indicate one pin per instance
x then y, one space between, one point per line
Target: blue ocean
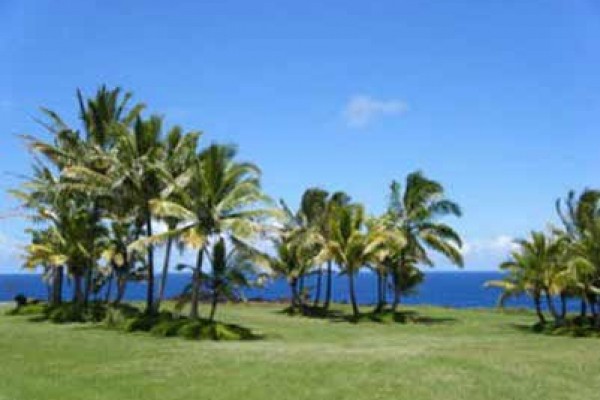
446 289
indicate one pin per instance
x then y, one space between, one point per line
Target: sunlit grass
438 354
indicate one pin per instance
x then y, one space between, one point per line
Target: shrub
117 316
190 330
168 328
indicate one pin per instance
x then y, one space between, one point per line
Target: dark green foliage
168 328
190 330
118 316
65 313
142 323
575 327
207 330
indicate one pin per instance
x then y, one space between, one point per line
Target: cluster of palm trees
331 229
105 195
561 264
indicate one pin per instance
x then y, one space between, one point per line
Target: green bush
190 330
142 323
65 313
205 330
168 328
118 316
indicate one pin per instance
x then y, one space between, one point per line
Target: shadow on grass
129 319
381 317
570 328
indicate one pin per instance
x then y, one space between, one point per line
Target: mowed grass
453 354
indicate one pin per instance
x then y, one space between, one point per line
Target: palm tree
216 196
581 221
353 246
232 271
72 150
337 199
415 213
70 234
179 154
535 269
313 208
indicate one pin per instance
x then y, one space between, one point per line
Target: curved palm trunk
552 308
537 301
563 306
150 292
355 310
196 285
318 288
164 274
328 286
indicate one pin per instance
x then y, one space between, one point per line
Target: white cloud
499 245
362 110
10 250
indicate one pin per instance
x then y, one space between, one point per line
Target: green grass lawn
454 354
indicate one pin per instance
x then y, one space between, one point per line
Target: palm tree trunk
563 306
164 275
301 290
150 292
355 310
121 286
57 285
215 300
583 309
538 308
551 307
379 305
88 285
318 288
293 282
77 291
396 285
328 286
196 285
109 285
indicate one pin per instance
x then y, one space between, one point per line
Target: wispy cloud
10 250
361 110
499 245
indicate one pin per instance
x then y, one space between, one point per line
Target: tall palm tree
336 200
416 213
178 155
313 206
216 196
72 149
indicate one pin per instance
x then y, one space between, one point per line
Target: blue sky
499 100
